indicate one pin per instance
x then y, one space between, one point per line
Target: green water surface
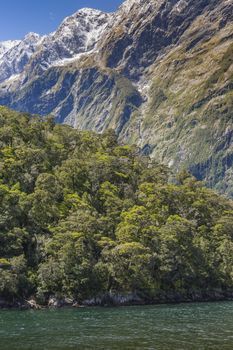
161 327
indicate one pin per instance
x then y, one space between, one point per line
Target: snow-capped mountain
7 45
82 31
76 35
17 55
158 72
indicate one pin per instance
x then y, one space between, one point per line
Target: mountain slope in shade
159 72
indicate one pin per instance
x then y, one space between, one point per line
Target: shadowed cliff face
159 72
87 98
148 29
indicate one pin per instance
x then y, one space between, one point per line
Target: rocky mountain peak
17 55
84 17
32 36
7 45
90 12
83 28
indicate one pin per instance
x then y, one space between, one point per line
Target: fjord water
162 327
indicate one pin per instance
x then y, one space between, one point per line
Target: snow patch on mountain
85 26
17 55
128 5
7 45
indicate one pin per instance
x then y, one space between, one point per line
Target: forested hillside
82 216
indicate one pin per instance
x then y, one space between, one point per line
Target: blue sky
18 17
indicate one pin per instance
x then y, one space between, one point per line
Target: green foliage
81 216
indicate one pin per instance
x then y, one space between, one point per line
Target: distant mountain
7 45
16 55
159 72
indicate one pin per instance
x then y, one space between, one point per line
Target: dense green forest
81 216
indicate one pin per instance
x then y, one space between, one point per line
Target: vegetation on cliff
81 216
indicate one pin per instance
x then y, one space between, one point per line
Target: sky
19 17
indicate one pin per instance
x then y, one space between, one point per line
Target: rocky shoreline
116 300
